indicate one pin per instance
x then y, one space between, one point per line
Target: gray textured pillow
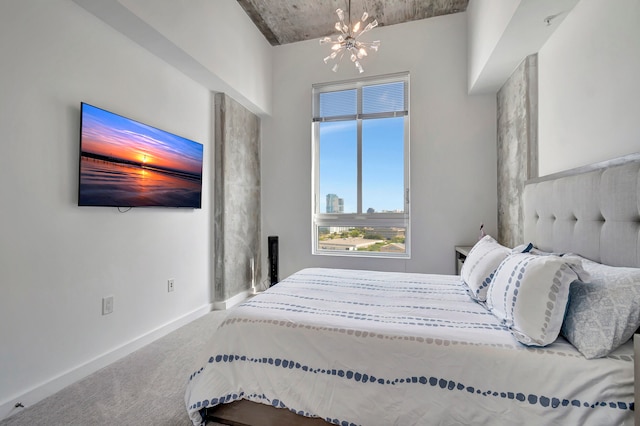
604 313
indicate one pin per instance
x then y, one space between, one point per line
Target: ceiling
290 21
507 33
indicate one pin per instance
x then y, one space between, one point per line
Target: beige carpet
144 388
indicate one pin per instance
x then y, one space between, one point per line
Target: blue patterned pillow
480 265
529 294
604 313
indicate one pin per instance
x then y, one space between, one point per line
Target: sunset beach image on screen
125 163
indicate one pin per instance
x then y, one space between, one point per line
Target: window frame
359 219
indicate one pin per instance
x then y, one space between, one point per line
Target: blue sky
383 163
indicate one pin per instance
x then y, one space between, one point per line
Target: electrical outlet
107 305
170 285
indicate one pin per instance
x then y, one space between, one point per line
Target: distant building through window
335 204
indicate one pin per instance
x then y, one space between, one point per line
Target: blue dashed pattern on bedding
435 382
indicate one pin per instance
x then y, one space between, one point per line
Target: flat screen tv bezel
82 202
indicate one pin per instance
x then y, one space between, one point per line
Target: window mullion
359 149
359 132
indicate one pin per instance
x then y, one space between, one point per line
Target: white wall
589 88
220 37
487 21
504 32
453 145
58 260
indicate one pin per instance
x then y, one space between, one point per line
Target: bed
354 347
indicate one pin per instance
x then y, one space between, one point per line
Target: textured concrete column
237 197
517 147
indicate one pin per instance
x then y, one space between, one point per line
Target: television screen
124 163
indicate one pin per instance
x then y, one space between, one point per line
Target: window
361 167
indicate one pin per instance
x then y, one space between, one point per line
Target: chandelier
348 43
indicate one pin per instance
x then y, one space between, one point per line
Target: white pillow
529 295
577 267
604 313
481 263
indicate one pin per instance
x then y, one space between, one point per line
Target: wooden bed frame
551 225
248 413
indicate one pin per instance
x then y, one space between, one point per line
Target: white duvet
377 348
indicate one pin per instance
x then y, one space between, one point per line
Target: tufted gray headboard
593 211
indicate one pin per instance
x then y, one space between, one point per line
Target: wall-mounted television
125 163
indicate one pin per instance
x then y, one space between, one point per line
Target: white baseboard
48 388
232 301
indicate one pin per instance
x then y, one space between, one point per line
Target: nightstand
461 254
